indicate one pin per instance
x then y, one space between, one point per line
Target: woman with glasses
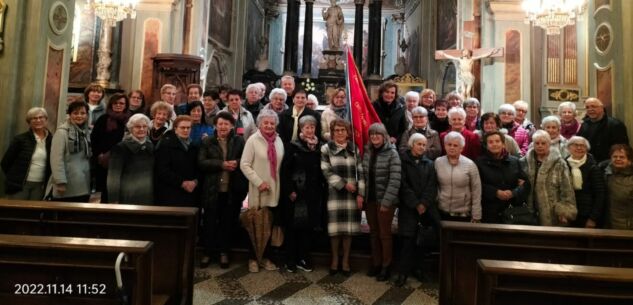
507 114
131 166
26 163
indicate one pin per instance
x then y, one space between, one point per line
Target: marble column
373 56
104 56
358 34
292 38
186 29
307 40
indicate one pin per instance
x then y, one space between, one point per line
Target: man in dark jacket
391 111
601 130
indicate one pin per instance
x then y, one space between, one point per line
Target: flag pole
350 116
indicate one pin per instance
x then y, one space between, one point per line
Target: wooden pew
462 244
65 270
523 283
171 229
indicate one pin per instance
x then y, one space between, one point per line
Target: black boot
400 280
384 274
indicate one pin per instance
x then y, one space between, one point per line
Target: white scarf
576 174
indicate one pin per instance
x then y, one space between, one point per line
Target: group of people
430 159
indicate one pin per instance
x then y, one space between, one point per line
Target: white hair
541 134
472 101
506 108
520 103
267 113
251 87
420 110
578 140
550 119
569 105
415 138
457 111
313 98
278 91
454 135
135 119
33 112
412 95
287 77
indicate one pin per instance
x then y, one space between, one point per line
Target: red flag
362 111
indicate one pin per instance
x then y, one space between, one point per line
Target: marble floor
236 286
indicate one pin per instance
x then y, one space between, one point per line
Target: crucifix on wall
465 60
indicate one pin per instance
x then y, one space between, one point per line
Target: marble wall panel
52 90
81 69
151 42
604 81
513 66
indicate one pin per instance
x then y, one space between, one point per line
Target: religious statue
465 68
333 17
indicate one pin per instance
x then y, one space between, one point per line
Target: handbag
426 236
519 215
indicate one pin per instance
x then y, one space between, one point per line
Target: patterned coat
339 167
553 192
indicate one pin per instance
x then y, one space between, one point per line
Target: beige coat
256 168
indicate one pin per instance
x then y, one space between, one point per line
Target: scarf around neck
311 141
272 153
116 119
576 174
569 130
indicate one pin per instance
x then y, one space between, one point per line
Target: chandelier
552 15
113 11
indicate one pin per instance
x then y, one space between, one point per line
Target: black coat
173 165
286 123
602 135
210 159
393 116
102 142
418 186
131 173
496 175
302 174
17 160
591 199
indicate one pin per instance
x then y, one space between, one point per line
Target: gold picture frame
408 82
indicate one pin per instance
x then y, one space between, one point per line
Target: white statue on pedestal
334 20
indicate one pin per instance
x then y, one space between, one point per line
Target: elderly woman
390 110
551 124
277 98
418 191
502 179
588 183
521 111
137 102
93 95
70 157
107 132
490 123
303 192
336 110
312 102
457 119
411 100
459 185
253 102
439 122
421 125
552 195
340 168
619 178
244 122
223 189
199 128
26 163
131 166
261 163
569 126
209 101
454 99
175 167
507 114
381 172
160 112
472 107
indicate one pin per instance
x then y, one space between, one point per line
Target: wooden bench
171 229
523 283
462 244
65 270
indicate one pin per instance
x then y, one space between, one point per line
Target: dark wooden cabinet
179 70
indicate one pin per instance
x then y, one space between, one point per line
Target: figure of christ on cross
465 63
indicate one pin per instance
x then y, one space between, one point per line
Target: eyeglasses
521 110
418 116
41 117
506 113
342 130
140 126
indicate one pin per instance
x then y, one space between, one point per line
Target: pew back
64 270
462 244
171 229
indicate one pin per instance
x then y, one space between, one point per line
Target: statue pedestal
332 65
